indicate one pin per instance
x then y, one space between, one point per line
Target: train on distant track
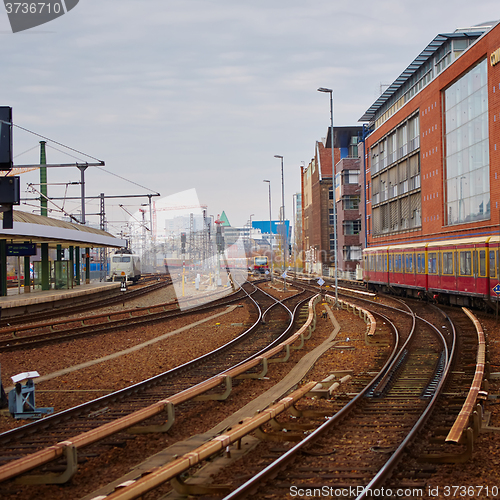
125 265
461 271
259 264
255 264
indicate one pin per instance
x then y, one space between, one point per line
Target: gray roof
422 58
39 229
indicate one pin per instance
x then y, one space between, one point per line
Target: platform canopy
39 229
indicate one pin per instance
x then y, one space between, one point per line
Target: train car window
397 263
390 263
466 263
385 262
420 263
123 258
498 263
482 262
492 264
432 263
409 262
447 262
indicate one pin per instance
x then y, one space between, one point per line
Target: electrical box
5 138
10 190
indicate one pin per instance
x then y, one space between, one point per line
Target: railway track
87 304
385 412
20 447
360 444
46 333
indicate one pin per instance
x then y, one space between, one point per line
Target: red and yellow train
460 271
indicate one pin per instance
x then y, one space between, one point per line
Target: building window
353 147
331 219
352 252
350 177
467 148
332 242
350 202
352 226
330 193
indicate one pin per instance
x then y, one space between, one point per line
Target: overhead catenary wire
132 182
51 140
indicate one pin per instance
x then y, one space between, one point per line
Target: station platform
15 303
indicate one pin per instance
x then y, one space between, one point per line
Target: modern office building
433 155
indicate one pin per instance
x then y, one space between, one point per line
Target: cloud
201 94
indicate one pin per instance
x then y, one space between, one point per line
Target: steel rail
388 467
48 454
465 413
81 306
54 336
243 490
381 476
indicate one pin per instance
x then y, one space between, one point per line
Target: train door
493 265
390 268
410 269
398 277
448 278
482 285
432 269
421 275
466 271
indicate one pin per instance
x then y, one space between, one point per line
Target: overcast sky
177 95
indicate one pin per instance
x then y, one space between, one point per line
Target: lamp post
282 219
330 91
294 239
270 228
250 233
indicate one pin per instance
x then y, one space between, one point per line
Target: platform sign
284 275
321 282
496 288
21 249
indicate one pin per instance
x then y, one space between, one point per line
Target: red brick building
318 196
433 156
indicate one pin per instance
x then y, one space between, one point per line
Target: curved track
19 446
361 444
87 303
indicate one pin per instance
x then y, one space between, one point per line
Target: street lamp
250 233
330 91
294 238
270 228
282 218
